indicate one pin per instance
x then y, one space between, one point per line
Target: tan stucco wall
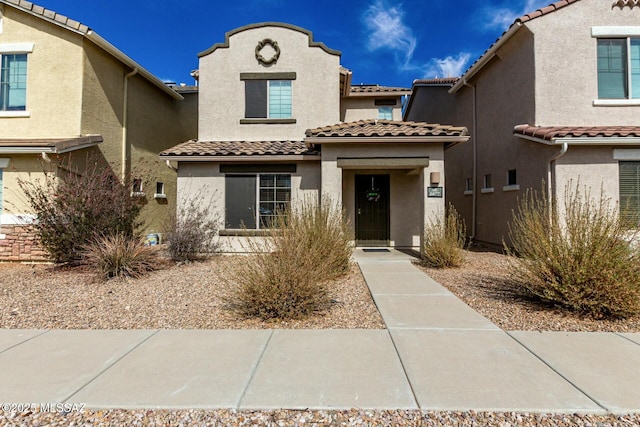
410 208
315 91
27 167
54 78
566 65
204 181
356 108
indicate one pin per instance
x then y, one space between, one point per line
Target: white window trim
615 102
468 192
15 113
10 219
514 187
487 190
16 47
621 31
629 154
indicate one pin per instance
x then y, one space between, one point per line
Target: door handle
359 211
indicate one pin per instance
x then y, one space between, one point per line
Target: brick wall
19 243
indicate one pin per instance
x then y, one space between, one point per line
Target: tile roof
549 133
545 10
381 128
437 81
52 145
50 15
378 89
623 3
196 148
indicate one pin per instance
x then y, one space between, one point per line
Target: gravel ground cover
187 296
284 418
484 283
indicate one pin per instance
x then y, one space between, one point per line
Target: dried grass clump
579 257
306 247
119 256
444 240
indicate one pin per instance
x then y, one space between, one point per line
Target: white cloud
388 31
502 17
451 66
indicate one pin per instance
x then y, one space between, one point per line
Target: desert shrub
119 255
444 240
306 247
576 255
190 233
73 206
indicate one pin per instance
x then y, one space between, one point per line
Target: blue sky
382 41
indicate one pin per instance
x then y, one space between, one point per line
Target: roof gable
85 31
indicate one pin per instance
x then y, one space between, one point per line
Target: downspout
551 170
474 179
125 120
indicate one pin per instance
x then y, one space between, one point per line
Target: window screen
630 191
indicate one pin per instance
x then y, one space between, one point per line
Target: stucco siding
354 109
315 99
566 65
54 78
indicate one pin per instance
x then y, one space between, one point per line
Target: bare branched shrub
72 206
190 233
309 245
119 255
576 255
444 240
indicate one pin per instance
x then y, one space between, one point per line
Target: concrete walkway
437 354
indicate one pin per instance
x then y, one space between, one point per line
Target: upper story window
13 82
385 113
619 68
268 97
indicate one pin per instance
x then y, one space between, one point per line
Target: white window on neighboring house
253 201
468 186
1 187
619 68
487 185
13 81
385 113
629 176
136 187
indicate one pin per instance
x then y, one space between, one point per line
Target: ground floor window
630 191
252 201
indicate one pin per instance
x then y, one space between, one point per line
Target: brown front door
372 210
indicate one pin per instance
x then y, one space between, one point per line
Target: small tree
577 255
73 206
444 240
190 233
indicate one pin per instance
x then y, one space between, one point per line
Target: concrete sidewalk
437 354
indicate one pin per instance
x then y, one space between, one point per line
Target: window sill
515 187
468 193
244 233
616 102
487 190
159 196
137 194
267 121
15 114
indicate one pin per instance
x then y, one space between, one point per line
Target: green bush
190 234
306 247
444 240
119 256
577 255
73 206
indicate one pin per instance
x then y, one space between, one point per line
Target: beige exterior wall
410 208
54 78
203 181
566 65
316 97
362 108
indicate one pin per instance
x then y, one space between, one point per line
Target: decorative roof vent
629 3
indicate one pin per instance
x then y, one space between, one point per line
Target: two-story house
66 91
280 121
555 100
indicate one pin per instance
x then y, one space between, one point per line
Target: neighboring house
65 91
279 121
556 100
